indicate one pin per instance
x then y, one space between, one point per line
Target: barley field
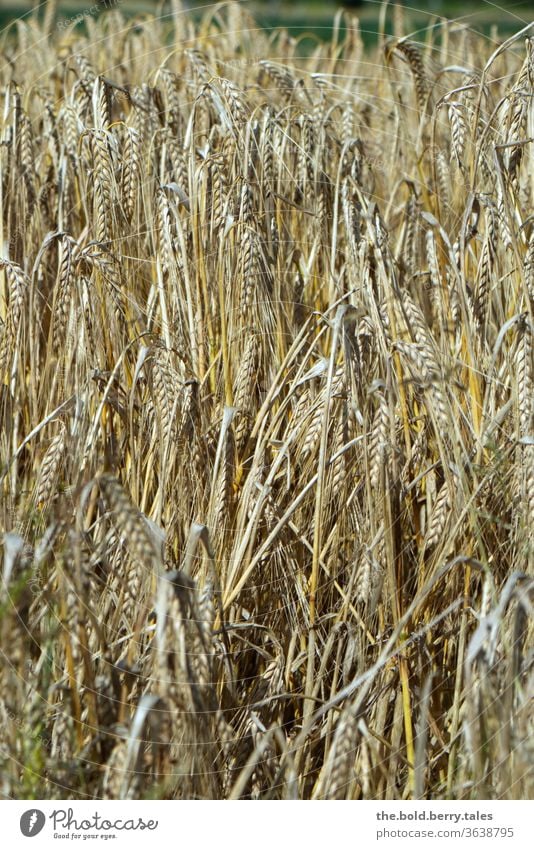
266 410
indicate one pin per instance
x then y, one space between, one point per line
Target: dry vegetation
266 434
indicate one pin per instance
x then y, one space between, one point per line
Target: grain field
266 410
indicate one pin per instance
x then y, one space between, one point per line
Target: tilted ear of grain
266 422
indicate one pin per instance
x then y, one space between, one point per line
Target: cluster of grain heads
266 423
496 731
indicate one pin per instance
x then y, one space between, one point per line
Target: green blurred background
310 15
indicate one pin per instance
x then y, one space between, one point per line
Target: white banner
268 825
